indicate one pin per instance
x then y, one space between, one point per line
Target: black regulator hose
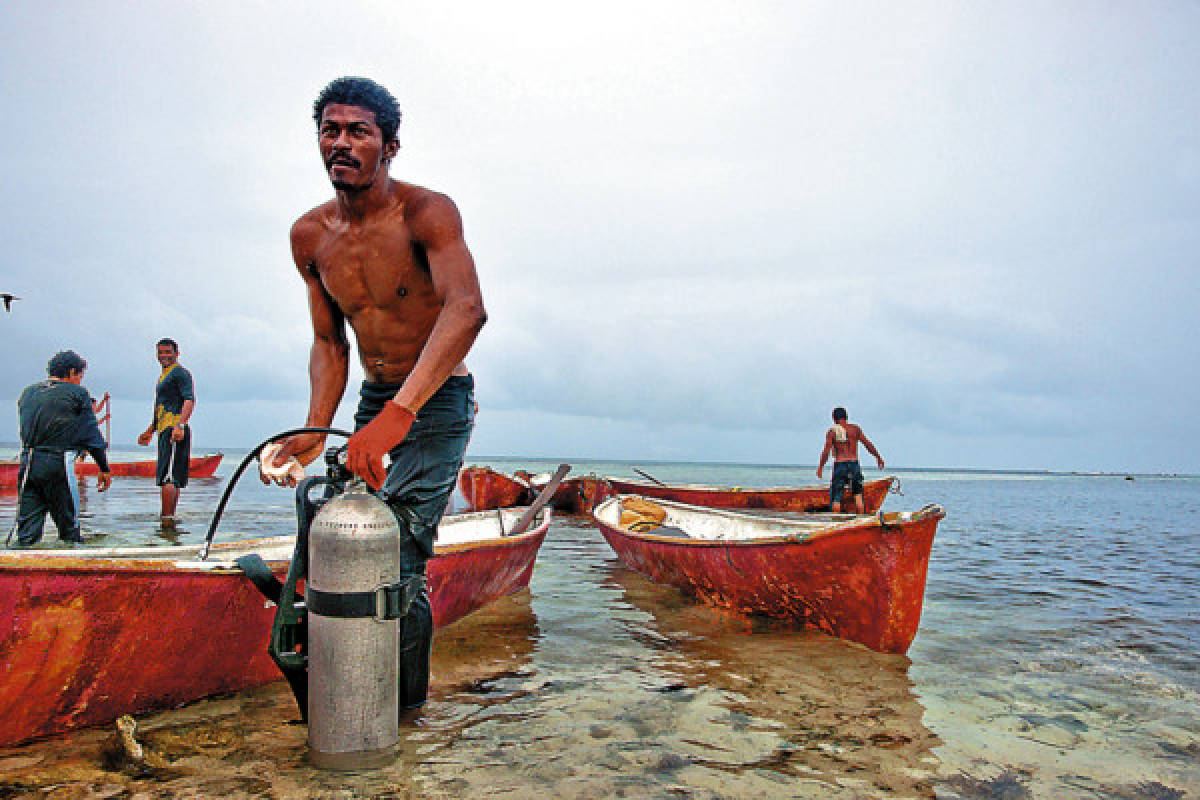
237 473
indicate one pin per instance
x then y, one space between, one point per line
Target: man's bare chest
372 267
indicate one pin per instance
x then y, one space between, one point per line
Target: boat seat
641 516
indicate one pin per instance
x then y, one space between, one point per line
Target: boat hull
574 495
787 498
863 581
484 489
199 467
85 640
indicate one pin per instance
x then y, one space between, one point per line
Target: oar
648 476
543 497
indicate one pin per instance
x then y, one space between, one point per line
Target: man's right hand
305 447
144 439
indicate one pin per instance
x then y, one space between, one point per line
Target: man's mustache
343 159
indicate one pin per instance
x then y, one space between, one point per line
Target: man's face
352 146
167 355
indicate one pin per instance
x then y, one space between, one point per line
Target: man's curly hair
365 93
62 364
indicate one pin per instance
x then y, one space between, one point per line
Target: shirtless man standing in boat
389 258
843 438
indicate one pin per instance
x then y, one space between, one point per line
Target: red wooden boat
89 635
484 488
8 475
857 577
200 467
777 498
574 495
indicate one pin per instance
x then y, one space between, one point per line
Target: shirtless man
843 438
389 258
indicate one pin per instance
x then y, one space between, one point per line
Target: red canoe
86 636
857 577
199 467
484 488
779 498
574 495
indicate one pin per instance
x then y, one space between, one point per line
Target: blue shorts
846 475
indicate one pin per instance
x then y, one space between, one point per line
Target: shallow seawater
1057 658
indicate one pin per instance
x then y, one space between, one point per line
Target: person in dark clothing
388 258
174 400
56 419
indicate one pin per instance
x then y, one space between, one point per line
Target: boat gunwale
711 489
809 529
182 558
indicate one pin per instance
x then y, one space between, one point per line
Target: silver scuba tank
353 569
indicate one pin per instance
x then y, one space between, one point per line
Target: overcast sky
698 226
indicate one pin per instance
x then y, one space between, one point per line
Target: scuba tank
336 643
353 556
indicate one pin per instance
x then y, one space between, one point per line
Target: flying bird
8 298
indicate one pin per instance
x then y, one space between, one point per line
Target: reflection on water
829 713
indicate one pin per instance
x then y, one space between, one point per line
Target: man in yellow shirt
174 400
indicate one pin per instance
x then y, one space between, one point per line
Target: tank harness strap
388 601
261 576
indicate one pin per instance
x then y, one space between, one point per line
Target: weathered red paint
85 640
592 491
783 498
199 467
465 577
574 495
865 583
8 476
484 489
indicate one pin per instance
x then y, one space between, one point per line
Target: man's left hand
367 447
103 481
177 433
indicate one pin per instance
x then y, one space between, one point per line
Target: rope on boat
237 473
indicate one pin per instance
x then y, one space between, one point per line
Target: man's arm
870 447
436 225
328 360
188 390
89 437
185 413
144 438
825 451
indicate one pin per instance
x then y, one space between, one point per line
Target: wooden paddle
648 476
543 497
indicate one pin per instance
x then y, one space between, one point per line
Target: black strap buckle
387 601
